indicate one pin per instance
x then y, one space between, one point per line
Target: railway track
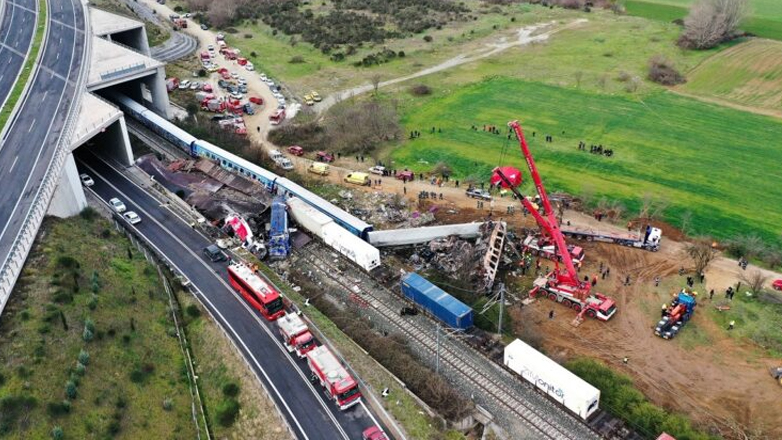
535 411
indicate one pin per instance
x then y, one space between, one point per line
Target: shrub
67 262
89 213
57 433
84 357
87 335
662 72
70 389
428 38
193 311
92 304
137 376
168 404
80 369
400 54
421 90
56 409
12 408
2 379
230 390
227 412
248 36
297 59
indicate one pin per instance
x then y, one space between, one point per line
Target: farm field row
671 146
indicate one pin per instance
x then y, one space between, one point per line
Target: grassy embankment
27 68
86 342
765 18
133 382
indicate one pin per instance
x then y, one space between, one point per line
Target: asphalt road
16 34
310 415
29 146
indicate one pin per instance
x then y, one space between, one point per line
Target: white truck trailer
553 379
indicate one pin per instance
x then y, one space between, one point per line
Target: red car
322 156
373 433
405 175
777 285
207 88
296 150
256 100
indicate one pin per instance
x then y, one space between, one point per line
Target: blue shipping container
436 301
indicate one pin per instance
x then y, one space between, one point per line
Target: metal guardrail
115 73
24 240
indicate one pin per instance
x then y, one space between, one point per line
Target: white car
210 47
237 95
278 95
184 85
242 81
377 169
86 180
249 67
132 217
281 101
234 75
117 205
269 82
264 77
195 86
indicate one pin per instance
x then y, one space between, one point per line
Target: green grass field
749 73
718 163
765 17
134 364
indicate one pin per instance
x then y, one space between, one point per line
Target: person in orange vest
594 280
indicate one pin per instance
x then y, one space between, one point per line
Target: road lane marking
234 294
13 164
32 124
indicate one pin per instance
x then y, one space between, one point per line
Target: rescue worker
664 309
731 324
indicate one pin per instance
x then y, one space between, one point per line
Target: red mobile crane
560 286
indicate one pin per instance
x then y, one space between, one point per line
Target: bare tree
222 13
686 221
755 280
710 22
651 207
701 253
375 82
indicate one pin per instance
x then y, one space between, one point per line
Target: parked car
249 67
373 433
322 156
476 193
207 88
210 47
234 75
132 217
204 27
117 205
86 180
195 85
214 253
377 169
263 77
243 88
315 96
184 84
255 100
223 84
777 285
296 150
236 95
405 175
187 15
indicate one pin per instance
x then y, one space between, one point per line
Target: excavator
560 285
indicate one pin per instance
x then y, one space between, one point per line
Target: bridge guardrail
24 240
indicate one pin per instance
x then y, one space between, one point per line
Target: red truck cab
295 334
333 377
405 175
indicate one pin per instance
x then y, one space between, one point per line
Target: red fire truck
260 294
295 334
333 377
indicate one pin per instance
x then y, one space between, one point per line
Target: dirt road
525 36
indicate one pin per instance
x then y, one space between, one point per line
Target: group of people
429 195
596 149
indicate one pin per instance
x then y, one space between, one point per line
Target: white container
347 244
308 217
553 379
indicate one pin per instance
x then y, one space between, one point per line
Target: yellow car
315 96
308 100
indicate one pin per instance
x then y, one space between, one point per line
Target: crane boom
551 226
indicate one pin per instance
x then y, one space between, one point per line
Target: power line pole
502 307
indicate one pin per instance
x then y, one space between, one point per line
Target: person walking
656 281
627 280
711 294
551 314
731 324
664 309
